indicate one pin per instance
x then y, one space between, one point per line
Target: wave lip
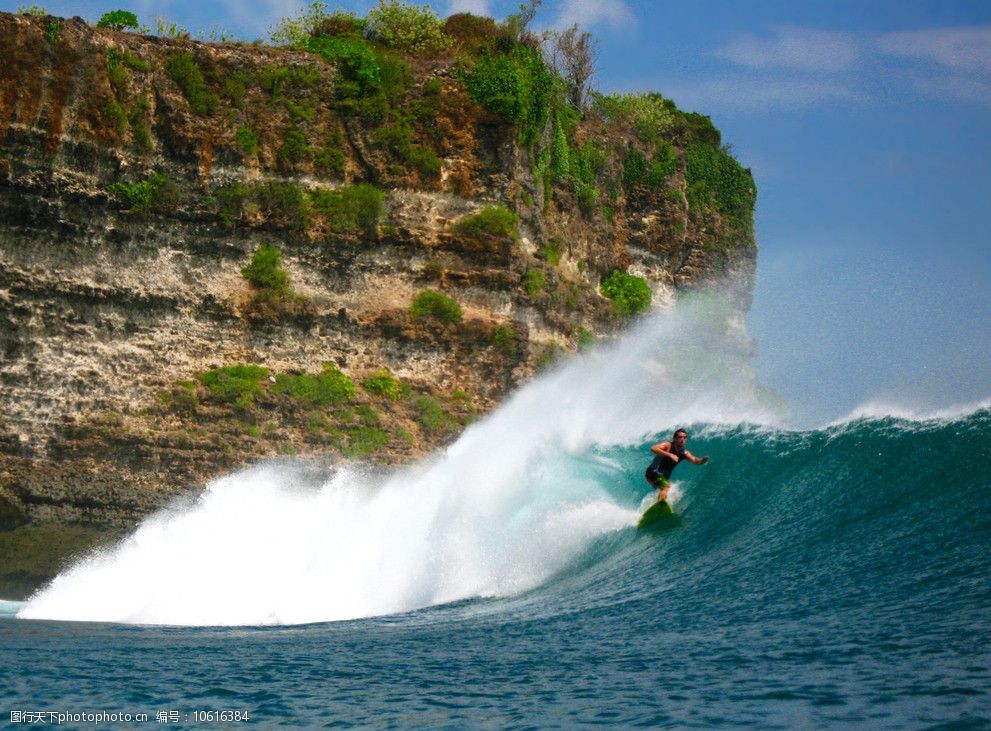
878 409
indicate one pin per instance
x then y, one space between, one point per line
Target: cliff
216 253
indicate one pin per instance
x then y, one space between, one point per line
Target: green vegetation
330 387
183 70
274 297
247 141
332 158
314 21
494 220
350 208
140 127
118 20
295 147
504 338
237 384
714 178
134 61
639 170
116 71
431 303
364 441
432 416
117 115
384 384
265 272
285 81
651 115
586 338
405 27
31 10
533 283
154 194
282 205
629 293
53 29
516 85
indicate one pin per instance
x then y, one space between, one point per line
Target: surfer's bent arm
662 449
695 460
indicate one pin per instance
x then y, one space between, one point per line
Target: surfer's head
680 436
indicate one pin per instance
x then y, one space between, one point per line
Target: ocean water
831 577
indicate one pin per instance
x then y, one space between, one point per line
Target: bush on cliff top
516 86
408 28
118 20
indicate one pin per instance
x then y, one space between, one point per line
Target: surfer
667 455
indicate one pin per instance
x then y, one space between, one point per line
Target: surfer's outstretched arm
695 460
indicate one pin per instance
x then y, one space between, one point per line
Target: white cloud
260 16
748 94
475 7
967 49
587 13
794 48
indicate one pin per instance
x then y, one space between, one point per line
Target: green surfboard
658 515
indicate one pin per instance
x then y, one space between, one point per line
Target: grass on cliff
274 297
383 383
349 209
238 385
183 70
330 387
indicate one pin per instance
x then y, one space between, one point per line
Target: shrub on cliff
118 20
475 34
629 293
182 69
236 384
156 193
385 384
431 303
405 27
264 271
516 86
491 221
350 208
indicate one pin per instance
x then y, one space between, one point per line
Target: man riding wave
667 456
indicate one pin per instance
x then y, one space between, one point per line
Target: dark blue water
831 578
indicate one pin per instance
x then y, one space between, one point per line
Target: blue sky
866 125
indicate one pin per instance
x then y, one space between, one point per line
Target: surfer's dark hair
679 431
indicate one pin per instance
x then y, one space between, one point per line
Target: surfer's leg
662 485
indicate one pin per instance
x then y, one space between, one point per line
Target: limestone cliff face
116 300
